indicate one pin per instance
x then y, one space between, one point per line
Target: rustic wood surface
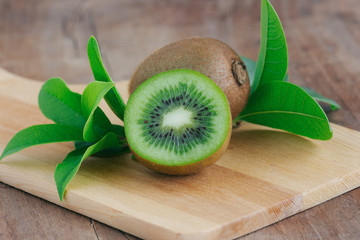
41 39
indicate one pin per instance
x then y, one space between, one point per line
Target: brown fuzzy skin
210 57
186 169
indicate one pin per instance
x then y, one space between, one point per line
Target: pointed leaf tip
66 170
113 98
272 62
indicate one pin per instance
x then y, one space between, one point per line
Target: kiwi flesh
178 122
211 57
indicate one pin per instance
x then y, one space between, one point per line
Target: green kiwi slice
176 120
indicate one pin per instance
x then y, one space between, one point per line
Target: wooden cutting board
265 176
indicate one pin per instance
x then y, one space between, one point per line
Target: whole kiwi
211 57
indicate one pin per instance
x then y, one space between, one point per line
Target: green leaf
119 130
273 57
250 68
61 105
101 124
90 100
107 152
320 98
122 148
41 134
285 106
286 79
113 151
66 170
78 145
113 98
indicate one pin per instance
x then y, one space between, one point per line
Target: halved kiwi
211 57
178 122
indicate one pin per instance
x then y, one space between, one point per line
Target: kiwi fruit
177 122
211 57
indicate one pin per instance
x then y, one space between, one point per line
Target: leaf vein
281 112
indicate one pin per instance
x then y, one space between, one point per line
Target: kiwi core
177 118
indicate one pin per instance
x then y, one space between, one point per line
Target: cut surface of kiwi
178 126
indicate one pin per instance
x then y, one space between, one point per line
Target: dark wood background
42 39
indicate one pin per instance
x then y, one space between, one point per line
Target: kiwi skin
211 57
189 168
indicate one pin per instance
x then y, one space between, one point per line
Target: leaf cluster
77 118
273 101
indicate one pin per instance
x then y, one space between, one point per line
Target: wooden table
41 39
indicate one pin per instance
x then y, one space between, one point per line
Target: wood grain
41 40
264 176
